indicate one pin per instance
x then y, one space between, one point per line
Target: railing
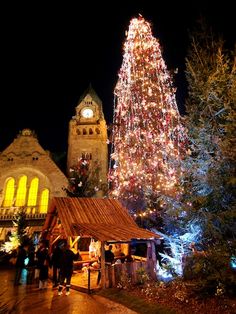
82 281
114 274
30 211
28 216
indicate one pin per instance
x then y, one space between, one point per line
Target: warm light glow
44 201
33 192
148 137
9 193
21 192
87 113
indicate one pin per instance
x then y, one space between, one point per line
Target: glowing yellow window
9 193
21 192
33 192
43 207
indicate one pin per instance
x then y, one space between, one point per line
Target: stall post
103 270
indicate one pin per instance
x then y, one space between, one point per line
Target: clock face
87 113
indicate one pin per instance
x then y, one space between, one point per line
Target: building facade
29 178
87 137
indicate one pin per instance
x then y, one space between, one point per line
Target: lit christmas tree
148 138
84 179
20 233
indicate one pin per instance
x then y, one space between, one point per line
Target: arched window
21 192
43 207
88 156
9 193
33 192
90 131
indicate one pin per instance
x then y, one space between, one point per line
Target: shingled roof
103 219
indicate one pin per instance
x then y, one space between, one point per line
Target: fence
115 272
88 281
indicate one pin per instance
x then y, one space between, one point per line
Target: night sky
50 54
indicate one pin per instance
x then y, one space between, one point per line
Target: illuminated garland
84 179
148 138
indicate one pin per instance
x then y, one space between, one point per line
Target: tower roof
92 93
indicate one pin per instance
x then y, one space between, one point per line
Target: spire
92 93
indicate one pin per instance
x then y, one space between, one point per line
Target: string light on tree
146 213
148 139
84 179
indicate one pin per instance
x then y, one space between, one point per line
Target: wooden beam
76 239
56 239
103 270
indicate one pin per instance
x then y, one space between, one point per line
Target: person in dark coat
30 265
20 263
109 255
66 267
109 260
43 260
55 262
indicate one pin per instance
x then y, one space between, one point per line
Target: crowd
39 261
60 260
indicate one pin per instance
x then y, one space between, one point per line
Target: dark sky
50 54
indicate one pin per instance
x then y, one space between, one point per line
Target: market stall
90 225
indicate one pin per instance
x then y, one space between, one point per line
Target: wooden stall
93 222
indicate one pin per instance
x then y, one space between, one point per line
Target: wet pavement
29 299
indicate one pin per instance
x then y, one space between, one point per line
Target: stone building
88 135
29 178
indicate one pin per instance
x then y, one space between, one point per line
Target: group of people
61 262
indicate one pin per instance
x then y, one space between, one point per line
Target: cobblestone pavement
29 299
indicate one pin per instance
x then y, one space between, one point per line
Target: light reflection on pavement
29 299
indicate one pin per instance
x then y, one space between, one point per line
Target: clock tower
88 135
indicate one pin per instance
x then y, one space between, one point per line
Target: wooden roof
103 219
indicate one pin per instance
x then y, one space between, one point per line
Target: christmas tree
84 179
210 73
20 232
210 181
148 140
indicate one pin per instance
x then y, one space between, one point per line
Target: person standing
109 255
55 262
43 264
20 263
66 267
31 264
109 260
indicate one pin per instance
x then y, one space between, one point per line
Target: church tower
88 135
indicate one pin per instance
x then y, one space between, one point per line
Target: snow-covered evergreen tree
210 169
211 123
